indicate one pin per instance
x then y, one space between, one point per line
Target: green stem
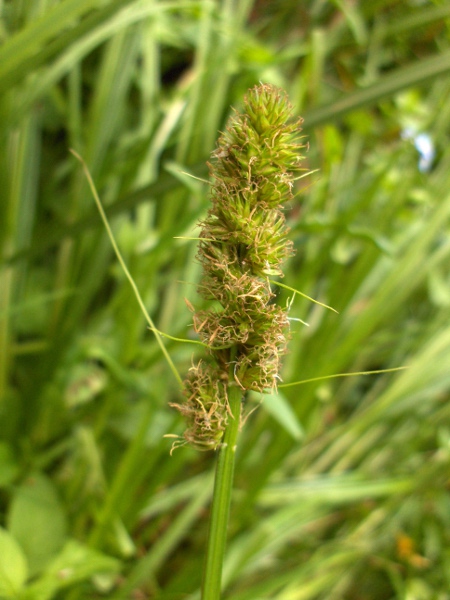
220 511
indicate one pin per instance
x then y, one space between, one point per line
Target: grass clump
340 485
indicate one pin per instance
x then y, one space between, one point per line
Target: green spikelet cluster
243 243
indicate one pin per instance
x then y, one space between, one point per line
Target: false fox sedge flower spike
243 242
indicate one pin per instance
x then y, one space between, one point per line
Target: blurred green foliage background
342 485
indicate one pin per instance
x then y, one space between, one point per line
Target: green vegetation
341 484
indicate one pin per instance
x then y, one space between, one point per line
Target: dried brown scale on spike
243 242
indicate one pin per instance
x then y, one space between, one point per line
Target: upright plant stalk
243 243
220 510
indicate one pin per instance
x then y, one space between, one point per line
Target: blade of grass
125 269
402 78
22 47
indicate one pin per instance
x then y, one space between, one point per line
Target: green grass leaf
278 406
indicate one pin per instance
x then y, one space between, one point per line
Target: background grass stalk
221 501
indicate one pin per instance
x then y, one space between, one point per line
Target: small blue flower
424 146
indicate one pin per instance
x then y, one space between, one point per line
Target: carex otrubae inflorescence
243 243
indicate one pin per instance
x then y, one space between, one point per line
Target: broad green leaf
37 520
13 566
74 563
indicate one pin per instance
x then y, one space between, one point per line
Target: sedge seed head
244 240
